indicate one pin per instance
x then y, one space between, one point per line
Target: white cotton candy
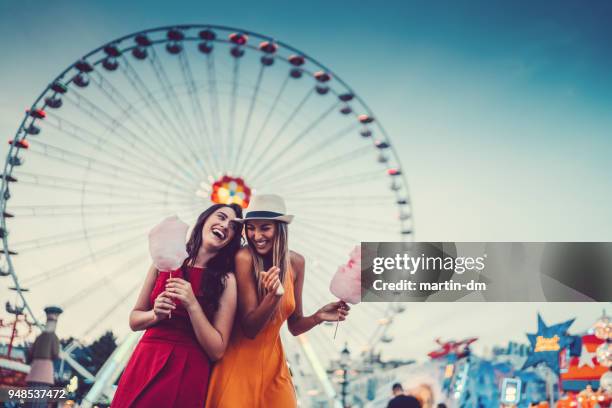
167 243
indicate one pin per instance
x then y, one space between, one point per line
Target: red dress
168 367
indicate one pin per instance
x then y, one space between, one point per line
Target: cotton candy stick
170 314
346 283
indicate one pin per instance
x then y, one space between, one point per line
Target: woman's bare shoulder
243 256
296 259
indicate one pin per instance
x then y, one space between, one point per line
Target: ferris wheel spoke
198 113
170 93
83 188
90 233
95 187
128 110
162 118
74 265
315 177
247 121
264 151
107 313
318 250
345 181
319 246
329 141
358 332
278 163
113 124
324 216
129 113
100 166
321 250
113 150
99 206
318 167
177 108
103 282
372 226
72 236
264 124
325 350
132 187
213 96
201 146
313 228
341 199
341 214
232 111
317 253
381 329
97 210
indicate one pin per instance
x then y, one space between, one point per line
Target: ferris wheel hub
227 190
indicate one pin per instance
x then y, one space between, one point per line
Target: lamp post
345 359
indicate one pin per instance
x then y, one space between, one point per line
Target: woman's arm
297 322
143 315
214 337
253 315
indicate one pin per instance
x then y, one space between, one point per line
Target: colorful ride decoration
548 344
231 190
15 330
12 332
458 349
584 369
588 381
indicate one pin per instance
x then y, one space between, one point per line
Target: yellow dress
253 373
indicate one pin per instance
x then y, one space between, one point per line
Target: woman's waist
167 333
268 335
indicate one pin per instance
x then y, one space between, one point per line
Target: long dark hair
217 268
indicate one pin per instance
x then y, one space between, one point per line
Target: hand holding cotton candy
167 243
346 283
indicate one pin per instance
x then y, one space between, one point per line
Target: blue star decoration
547 343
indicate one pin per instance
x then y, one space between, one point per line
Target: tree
101 349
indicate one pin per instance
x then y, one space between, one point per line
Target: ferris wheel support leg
111 370
74 364
319 371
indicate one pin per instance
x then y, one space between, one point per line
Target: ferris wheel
167 121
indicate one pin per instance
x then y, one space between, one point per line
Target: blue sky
500 111
503 107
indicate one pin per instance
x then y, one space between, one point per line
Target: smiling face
219 228
261 234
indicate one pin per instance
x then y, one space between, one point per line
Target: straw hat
267 207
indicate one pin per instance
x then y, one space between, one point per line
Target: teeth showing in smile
261 244
218 233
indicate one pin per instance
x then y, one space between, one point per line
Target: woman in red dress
188 318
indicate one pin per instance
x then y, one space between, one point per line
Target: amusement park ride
16 330
167 121
457 348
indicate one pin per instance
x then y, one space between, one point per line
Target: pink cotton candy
346 283
167 243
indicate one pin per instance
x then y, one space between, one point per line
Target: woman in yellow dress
253 372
